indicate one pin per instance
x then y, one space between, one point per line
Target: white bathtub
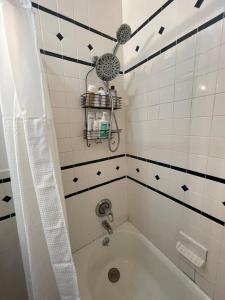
145 273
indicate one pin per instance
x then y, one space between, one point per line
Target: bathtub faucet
107 226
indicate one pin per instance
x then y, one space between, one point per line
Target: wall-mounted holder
95 102
191 250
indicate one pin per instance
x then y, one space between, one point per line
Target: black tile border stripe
68 58
199 3
179 40
179 169
94 187
7 217
4 180
198 211
155 14
79 164
92 161
70 20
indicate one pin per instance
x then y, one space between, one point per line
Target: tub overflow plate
114 275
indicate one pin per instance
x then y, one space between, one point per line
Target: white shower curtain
33 159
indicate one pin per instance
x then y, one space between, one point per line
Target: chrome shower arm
116 48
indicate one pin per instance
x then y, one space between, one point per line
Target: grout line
179 169
94 187
179 40
214 101
70 20
198 211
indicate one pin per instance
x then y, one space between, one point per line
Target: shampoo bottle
103 126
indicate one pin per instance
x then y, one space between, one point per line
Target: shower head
123 34
107 67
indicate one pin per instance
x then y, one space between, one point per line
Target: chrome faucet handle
109 215
104 209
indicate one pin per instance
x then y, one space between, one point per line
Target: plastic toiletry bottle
90 123
96 129
92 88
113 91
98 115
102 97
101 91
103 126
90 95
97 102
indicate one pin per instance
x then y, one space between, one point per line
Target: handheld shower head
123 34
107 67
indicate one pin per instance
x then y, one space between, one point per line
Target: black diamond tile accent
184 188
137 170
161 30
7 199
99 173
60 36
118 167
90 47
224 203
137 48
75 179
199 3
157 177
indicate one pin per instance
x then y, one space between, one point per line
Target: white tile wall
66 82
175 115
187 131
84 225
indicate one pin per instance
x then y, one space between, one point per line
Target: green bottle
103 126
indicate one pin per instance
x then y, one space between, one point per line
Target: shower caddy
95 102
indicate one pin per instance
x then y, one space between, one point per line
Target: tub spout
107 226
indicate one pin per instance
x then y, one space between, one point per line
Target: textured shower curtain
33 159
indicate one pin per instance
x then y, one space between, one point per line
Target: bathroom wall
175 81
69 34
174 96
11 268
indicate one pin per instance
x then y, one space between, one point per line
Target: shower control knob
104 209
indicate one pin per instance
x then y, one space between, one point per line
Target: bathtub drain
114 275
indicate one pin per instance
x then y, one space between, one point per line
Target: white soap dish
191 250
